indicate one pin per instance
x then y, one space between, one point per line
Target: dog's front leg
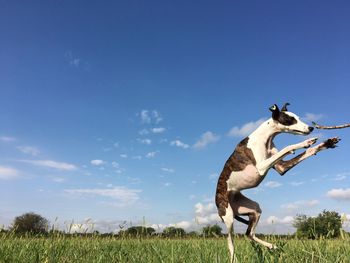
265 165
284 166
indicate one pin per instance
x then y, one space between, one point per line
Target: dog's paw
331 143
272 247
310 142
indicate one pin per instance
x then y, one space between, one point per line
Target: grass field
97 249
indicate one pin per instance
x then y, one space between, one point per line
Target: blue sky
128 110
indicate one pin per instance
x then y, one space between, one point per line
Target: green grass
97 249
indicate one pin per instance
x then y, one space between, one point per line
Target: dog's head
286 121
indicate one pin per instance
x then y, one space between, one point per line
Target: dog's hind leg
242 205
228 220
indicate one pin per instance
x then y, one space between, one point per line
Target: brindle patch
239 159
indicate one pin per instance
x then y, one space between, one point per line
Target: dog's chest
248 178
259 149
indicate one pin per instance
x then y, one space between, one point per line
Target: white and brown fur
249 164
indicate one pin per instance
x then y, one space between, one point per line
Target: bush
327 224
173 232
212 231
137 231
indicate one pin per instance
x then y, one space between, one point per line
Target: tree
192 234
136 231
174 232
212 231
30 223
327 224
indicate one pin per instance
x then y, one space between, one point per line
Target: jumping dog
250 162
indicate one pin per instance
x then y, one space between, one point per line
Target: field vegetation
95 248
318 239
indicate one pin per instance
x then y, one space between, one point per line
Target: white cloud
149 117
287 220
346 220
137 157
272 184
52 164
312 202
89 225
192 197
97 162
145 118
8 173
180 144
167 184
115 164
205 209
297 183
81 228
124 196
246 129
167 170
123 155
151 154
213 176
158 130
341 176
290 206
206 214
302 204
205 139
184 224
339 194
145 141
312 117
156 116
58 179
29 150
73 61
107 149
7 139
144 132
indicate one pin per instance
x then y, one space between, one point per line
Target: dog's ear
284 108
275 111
